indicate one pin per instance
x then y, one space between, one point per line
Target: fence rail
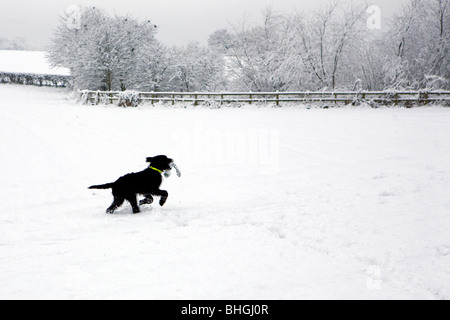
132 98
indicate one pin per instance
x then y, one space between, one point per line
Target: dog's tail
103 186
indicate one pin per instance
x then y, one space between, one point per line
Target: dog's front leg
164 195
148 200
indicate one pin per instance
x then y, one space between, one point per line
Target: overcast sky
179 21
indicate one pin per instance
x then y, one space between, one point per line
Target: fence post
278 100
423 97
195 100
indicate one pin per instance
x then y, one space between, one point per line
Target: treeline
331 48
13 44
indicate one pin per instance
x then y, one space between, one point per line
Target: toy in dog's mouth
174 166
164 164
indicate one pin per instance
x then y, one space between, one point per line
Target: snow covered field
282 203
34 62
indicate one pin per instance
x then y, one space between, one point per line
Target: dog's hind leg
148 200
133 201
118 201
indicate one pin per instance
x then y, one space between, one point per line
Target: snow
34 62
273 203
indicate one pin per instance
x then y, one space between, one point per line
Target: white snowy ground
28 62
282 203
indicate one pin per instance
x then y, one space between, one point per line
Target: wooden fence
132 98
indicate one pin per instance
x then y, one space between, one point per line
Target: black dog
146 182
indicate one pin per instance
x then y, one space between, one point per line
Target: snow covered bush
35 79
83 96
389 97
212 104
129 99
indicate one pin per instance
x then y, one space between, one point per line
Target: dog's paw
146 201
162 201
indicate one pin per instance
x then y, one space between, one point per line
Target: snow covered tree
298 51
196 68
73 48
256 54
129 45
220 41
102 52
419 46
13 44
330 48
368 61
323 44
153 68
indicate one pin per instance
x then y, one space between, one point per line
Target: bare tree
323 41
257 54
419 45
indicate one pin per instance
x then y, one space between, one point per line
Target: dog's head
163 163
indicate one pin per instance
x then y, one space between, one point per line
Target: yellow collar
153 168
